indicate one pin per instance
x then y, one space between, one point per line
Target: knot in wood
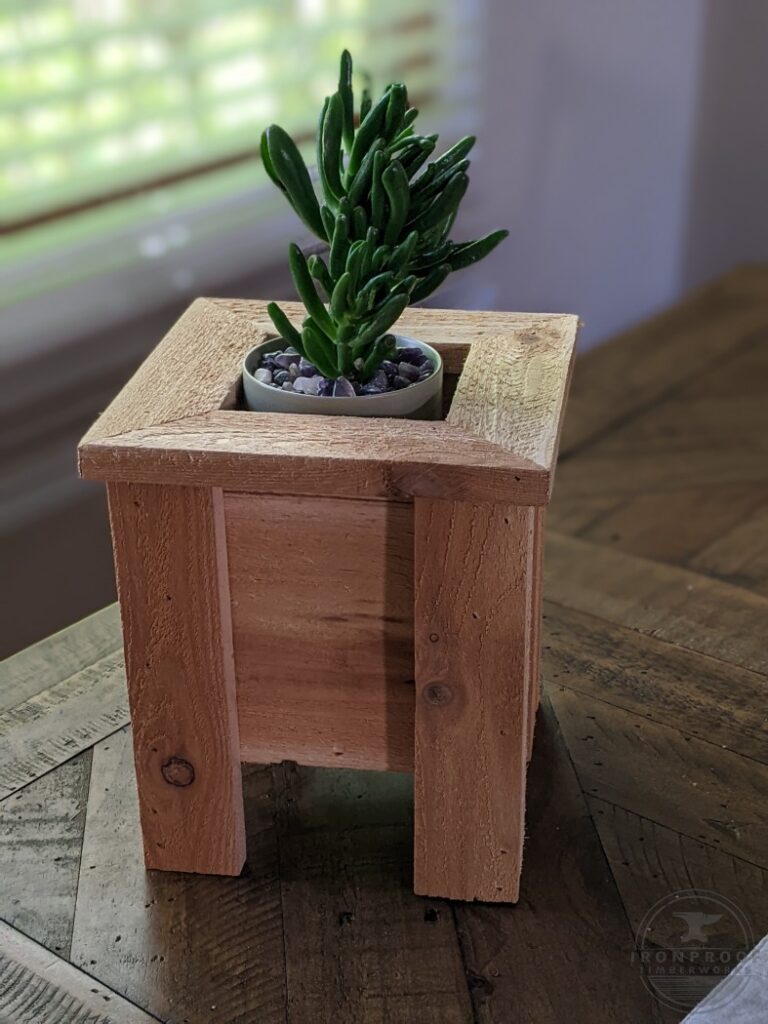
437 694
178 772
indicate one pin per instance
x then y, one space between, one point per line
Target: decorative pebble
308 385
287 359
289 370
408 370
342 388
411 355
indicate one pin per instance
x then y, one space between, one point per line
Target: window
130 129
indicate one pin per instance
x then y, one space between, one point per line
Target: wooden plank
672 604
617 381
58 657
705 433
472 636
564 952
533 682
520 405
668 526
650 862
693 693
195 948
359 945
41 835
332 456
600 471
575 515
49 728
322 615
170 559
739 556
189 373
696 787
450 331
37 987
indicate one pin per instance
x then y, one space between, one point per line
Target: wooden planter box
363 593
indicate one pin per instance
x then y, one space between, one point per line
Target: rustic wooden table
650 772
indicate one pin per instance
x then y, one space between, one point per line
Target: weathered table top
650 773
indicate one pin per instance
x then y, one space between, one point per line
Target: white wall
727 215
625 146
586 149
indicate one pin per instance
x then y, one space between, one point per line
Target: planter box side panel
322 613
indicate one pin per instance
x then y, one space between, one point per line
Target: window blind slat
75 131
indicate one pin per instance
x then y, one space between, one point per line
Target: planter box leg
537 588
170 560
474 596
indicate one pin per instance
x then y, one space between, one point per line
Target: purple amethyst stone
408 370
342 388
308 385
286 359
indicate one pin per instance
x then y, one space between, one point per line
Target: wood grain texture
520 406
167 425
533 682
41 836
199 948
618 381
450 331
322 614
472 637
170 561
696 694
37 987
49 728
58 657
670 526
662 450
696 788
666 469
564 952
359 945
740 556
278 453
672 604
190 373
650 861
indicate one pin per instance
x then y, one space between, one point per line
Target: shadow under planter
363 593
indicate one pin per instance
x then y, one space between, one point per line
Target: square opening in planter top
178 420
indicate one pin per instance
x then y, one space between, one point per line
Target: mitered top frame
174 421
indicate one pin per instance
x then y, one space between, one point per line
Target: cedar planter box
336 591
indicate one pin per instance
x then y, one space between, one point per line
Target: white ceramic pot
420 401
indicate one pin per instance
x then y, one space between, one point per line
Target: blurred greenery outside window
129 128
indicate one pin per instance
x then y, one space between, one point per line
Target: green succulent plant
386 212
